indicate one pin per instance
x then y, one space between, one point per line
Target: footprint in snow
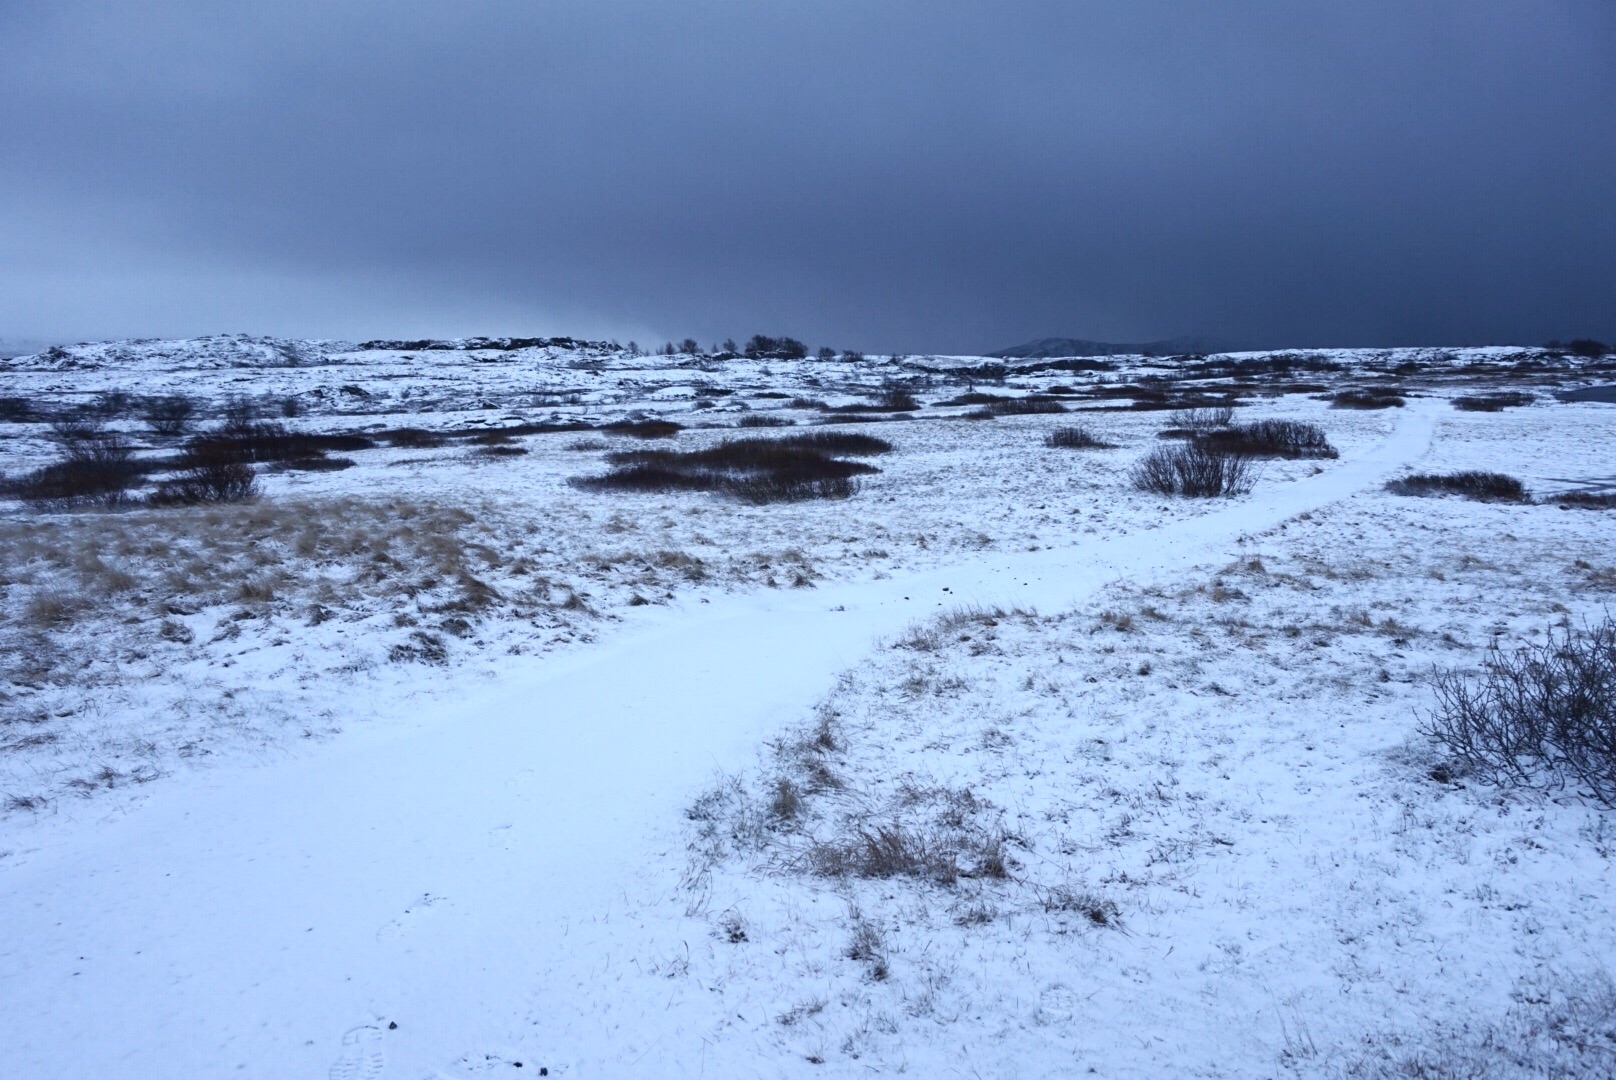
1056 1004
361 1055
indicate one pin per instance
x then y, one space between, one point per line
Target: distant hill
1045 348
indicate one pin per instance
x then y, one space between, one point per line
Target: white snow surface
489 862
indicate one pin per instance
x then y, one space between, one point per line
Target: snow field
448 766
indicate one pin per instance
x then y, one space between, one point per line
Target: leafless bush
413 438
1367 399
839 442
1194 469
644 429
1587 500
169 415
1537 716
250 442
98 470
15 409
70 427
216 481
1204 419
762 420
753 470
1472 484
1272 438
1076 438
1491 402
1032 404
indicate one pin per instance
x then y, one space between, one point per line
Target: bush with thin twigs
1272 438
71 426
1539 716
214 481
761 420
97 470
1076 438
1367 399
1491 402
1194 469
169 415
1205 419
15 409
1472 484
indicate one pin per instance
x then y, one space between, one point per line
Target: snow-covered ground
585 781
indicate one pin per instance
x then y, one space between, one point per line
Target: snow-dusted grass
1182 825
1186 830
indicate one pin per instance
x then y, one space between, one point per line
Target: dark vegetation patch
763 420
1586 500
207 482
1472 484
1250 366
95 471
1367 399
317 464
1076 438
852 443
752 469
1004 405
644 429
889 401
500 451
1031 404
1195 469
973 397
412 438
170 415
1272 438
264 442
16 410
1491 402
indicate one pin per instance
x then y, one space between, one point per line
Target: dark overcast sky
882 174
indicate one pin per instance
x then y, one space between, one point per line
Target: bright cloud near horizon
945 177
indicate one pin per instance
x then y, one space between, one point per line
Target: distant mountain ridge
1047 348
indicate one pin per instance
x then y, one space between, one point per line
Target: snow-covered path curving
275 921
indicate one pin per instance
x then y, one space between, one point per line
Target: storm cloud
877 175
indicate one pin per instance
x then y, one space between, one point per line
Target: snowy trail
275 921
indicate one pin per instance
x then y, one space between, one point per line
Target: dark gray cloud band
939 176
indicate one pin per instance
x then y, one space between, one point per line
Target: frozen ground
581 781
